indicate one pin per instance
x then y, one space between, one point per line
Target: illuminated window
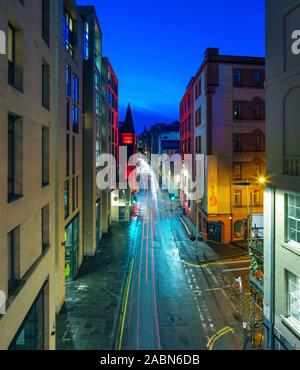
75 89
68 33
75 116
86 38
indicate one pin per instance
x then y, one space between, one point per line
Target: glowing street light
262 180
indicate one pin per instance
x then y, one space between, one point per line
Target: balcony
291 166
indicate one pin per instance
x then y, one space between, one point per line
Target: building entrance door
214 232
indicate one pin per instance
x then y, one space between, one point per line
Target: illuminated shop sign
127 139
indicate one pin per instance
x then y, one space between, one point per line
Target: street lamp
172 200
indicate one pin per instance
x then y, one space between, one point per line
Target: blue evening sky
155 46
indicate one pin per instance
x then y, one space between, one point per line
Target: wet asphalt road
173 305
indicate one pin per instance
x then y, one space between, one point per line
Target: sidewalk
89 316
213 251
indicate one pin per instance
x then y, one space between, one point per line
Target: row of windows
238 144
241 111
293 236
186 105
186 147
98 91
45 20
68 30
15 61
111 99
237 170
238 198
255 80
186 126
112 83
15 74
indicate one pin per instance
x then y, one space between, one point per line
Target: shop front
214 232
72 249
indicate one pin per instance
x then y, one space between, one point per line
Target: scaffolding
256 282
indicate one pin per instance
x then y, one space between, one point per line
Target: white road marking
232 270
233 262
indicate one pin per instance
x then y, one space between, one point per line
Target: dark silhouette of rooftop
128 125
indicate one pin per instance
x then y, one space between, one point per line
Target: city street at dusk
171 299
149 179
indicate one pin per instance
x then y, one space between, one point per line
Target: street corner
227 338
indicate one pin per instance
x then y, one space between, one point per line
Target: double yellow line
125 304
217 336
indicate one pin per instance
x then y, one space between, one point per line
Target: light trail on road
171 305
